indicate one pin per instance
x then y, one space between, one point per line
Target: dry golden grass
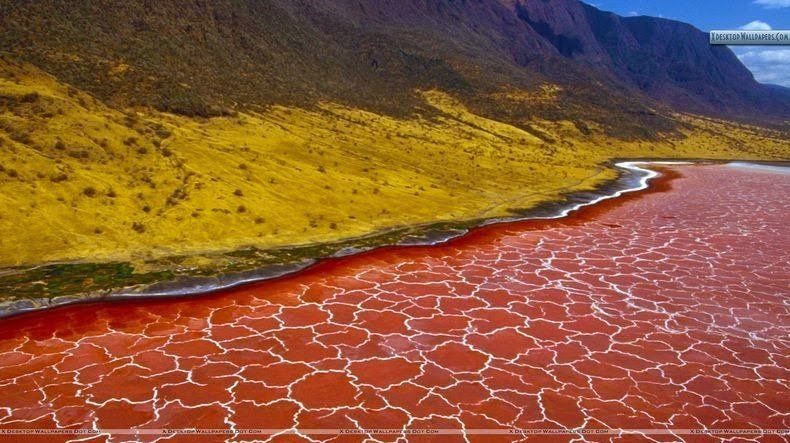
82 181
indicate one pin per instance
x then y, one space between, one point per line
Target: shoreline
693 262
633 176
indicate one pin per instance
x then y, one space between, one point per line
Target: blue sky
769 64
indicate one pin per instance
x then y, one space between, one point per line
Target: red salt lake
660 309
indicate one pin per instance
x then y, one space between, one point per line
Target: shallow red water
663 310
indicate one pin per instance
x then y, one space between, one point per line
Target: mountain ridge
375 54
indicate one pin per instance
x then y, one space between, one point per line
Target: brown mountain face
670 61
208 57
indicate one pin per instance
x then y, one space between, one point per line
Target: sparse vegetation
471 167
59 177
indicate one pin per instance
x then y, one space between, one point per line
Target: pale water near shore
782 169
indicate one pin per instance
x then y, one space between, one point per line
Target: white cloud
756 25
773 3
633 14
767 65
767 55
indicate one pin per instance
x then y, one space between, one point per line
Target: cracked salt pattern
663 310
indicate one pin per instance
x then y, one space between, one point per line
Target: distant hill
212 57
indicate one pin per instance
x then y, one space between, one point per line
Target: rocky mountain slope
211 57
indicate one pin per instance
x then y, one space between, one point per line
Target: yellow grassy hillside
82 181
